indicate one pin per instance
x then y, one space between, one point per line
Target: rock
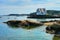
49 23
53 29
56 37
24 24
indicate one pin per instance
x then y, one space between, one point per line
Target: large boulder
24 23
53 29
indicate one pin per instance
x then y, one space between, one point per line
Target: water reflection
22 34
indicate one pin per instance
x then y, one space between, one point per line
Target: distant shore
16 15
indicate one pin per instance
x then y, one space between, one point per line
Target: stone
53 29
24 23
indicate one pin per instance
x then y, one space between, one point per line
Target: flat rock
24 23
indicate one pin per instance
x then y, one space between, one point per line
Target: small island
17 15
43 13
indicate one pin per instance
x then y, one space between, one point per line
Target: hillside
49 12
53 12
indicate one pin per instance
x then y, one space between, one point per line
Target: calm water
8 33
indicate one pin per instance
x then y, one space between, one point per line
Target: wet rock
53 29
52 22
24 23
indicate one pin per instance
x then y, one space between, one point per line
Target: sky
26 6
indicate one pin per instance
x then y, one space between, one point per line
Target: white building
41 11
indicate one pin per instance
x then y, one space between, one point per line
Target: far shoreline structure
42 13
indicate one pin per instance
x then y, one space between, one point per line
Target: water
8 33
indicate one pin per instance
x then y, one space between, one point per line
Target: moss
56 38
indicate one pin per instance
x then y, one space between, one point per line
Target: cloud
54 1
27 6
15 2
21 2
10 1
27 2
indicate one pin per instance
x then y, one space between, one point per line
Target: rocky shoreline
53 26
28 24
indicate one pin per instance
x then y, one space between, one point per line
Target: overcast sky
26 6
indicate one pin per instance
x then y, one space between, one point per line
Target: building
41 11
